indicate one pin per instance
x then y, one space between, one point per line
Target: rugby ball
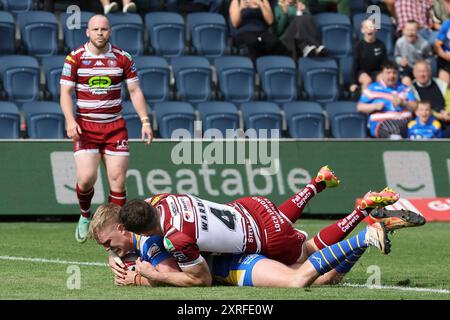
129 260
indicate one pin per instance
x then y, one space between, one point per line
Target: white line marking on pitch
96 264
396 288
99 264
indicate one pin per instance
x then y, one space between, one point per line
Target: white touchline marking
95 264
99 264
396 288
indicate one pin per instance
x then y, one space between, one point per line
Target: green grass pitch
420 259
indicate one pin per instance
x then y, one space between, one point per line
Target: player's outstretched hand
128 280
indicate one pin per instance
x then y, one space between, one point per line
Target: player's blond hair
105 215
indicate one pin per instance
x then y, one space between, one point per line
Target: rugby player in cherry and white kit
95 71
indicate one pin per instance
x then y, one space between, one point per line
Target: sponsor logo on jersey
70 59
155 200
87 62
188 214
168 245
133 67
179 256
99 84
67 70
112 63
153 250
98 63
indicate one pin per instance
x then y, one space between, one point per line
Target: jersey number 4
225 216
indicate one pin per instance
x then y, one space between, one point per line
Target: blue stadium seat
9 120
236 78
174 115
346 70
278 77
52 70
154 77
75 35
39 33
345 120
262 116
132 120
192 78
385 33
20 75
8 32
127 32
166 32
320 78
16 6
208 33
219 115
305 119
44 120
336 32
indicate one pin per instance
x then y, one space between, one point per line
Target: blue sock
350 261
330 257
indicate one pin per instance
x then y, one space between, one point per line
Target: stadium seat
345 120
39 33
174 115
166 32
336 32
52 70
74 35
219 115
20 75
278 78
346 70
9 120
385 33
16 6
44 120
192 78
127 32
8 32
132 120
154 77
305 119
320 78
263 117
236 78
208 33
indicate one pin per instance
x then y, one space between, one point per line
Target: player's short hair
105 215
138 216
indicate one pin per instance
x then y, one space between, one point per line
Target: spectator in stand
440 11
442 49
418 10
109 7
425 125
253 20
343 6
389 103
296 29
426 88
409 49
390 7
368 56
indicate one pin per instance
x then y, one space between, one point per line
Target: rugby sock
330 257
349 261
84 199
339 230
294 207
118 198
